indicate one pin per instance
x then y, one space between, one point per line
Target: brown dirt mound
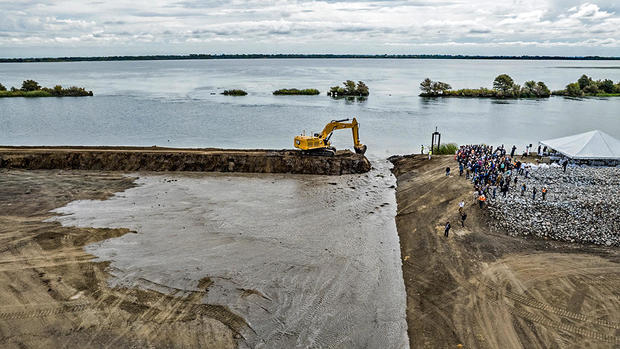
170 159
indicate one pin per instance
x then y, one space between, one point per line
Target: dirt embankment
53 295
171 159
485 289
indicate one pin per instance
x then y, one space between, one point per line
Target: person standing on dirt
544 193
460 169
463 218
523 188
430 153
534 193
481 200
447 171
422 150
512 152
447 230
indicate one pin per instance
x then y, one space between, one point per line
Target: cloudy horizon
37 28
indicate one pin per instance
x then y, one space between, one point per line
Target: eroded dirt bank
54 295
485 289
174 159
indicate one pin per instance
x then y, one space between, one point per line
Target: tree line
31 88
503 87
586 86
349 89
292 55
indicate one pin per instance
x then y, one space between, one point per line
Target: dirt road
484 289
54 295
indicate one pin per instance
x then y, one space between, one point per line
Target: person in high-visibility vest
430 153
481 200
544 193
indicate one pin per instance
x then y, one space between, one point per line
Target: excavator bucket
361 150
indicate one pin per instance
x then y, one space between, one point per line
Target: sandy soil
54 295
484 289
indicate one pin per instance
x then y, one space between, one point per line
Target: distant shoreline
295 56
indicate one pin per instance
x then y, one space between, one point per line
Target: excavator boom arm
341 124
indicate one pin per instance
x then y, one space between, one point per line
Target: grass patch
445 149
608 95
294 91
19 93
234 93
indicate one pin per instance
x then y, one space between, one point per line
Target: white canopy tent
593 145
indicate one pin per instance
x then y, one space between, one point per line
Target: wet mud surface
306 261
53 294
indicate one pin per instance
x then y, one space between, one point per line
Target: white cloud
339 26
589 11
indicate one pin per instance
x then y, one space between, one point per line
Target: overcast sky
30 28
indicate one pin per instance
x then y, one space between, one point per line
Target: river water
177 103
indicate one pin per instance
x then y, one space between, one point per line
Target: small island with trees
504 87
31 88
586 87
234 93
294 91
350 89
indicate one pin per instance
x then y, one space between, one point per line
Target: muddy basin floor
306 261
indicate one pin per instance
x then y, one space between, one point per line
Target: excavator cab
319 143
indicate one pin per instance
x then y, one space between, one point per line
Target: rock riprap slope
582 205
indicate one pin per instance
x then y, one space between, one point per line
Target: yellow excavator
319 143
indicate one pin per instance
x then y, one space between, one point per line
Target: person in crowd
422 150
447 229
430 153
463 218
481 200
534 191
564 164
544 193
512 152
523 189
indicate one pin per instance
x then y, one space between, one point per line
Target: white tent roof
590 145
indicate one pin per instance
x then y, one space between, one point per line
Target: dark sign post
436 135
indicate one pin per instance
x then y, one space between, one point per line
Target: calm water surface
177 103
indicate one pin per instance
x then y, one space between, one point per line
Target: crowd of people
493 169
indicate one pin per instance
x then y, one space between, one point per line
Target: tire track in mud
530 302
560 326
45 311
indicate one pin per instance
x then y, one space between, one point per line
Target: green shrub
350 89
446 149
2 88
294 91
57 91
30 85
234 93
